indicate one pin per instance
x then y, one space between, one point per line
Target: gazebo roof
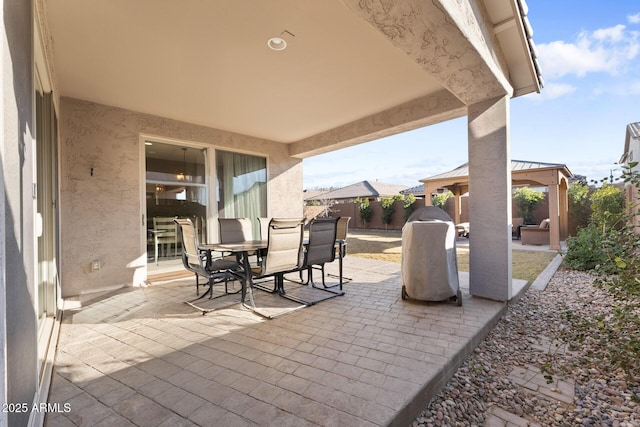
517 167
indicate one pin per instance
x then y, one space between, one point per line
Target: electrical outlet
95 265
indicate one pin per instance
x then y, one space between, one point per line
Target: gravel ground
603 395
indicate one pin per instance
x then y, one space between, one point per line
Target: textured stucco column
554 218
490 200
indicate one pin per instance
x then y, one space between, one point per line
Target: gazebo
554 176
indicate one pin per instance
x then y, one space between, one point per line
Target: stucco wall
101 215
18 350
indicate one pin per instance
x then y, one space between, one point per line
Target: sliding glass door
176 186
46 218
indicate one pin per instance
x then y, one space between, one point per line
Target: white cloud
613 34
556 90
607 50
634 19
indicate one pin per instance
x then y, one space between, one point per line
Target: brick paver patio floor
140 356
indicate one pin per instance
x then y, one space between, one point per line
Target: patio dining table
244 251
241 250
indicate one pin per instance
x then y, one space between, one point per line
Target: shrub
527 200
579 203
610 247
408 205
387 208
607 208
584 251
440 200
365 210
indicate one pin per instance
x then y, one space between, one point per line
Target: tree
387 208
327 203
607 208
365 210
527 200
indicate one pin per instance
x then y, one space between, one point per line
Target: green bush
527 200
610 248
584 251
366 212
408 205
579 203
440 200
607 208
387 209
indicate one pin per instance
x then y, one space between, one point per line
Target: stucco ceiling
207 62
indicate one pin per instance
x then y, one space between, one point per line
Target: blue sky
590 62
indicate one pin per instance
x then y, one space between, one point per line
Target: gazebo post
428 190
457 204
554 217
564 208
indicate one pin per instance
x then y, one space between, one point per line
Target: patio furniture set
536 234
281 249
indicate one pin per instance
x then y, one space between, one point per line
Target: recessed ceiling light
148 143
276 43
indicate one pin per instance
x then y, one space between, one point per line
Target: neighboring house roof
310 194
516 166
418 190
362 189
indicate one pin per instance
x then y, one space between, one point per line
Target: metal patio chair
215 270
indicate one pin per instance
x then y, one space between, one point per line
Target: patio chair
321 248
341 246
216 271
234 230
516 225
284 254
264 227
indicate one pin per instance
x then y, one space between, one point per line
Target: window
241 186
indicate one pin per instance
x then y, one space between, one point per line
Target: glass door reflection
175 187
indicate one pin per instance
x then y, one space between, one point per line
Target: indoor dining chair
165 236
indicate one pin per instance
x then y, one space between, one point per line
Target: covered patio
89 85
142 356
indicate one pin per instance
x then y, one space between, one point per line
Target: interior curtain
243 184
228 206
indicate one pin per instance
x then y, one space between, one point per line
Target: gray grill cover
429 265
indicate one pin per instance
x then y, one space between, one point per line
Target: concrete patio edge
407 414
